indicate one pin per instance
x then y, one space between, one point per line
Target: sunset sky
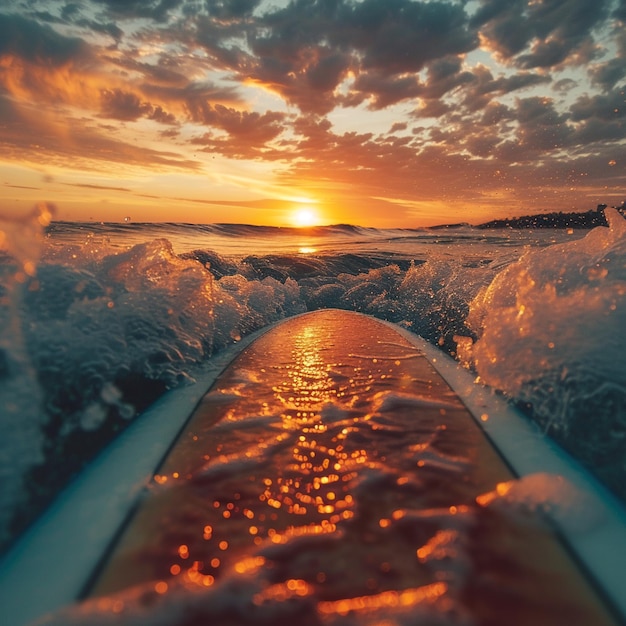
373 112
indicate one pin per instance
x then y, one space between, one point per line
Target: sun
304 216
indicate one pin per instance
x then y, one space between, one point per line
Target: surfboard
332 469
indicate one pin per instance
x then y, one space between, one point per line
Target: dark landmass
589 219
447 226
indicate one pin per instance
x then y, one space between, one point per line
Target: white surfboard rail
527 450
66 544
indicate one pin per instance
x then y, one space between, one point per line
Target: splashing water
550 333
101 319
22 438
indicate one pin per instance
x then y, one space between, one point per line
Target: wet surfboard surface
331 476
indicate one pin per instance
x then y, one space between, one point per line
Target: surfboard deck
331 474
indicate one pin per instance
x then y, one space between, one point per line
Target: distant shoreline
559 220
589 219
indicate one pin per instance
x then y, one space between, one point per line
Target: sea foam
98 320
550 331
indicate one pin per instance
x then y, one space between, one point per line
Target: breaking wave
550 331
93 331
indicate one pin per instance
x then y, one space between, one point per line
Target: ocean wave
224 230
94 331
93 337
550 333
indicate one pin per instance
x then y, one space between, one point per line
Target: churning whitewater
100 319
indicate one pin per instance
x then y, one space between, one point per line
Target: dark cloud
607 107
482 86
595 130
564 85
520 81
157 114
227 9
70 10
607 75
192 96
153 9
432 108
620 11
444 75
76 142
545 54
292 56
104 187
72 13
503 25
540 126
254 129
383 89
600 119
194 61
39 44
494 113
548 32
482 144
109 28
122 105
306 80
306 50
127 106
398 127
402 36
21 187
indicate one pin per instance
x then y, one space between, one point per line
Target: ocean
100 319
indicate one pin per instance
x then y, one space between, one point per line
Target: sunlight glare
304 216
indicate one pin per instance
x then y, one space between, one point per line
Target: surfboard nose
330 468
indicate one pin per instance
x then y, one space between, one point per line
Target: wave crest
550 331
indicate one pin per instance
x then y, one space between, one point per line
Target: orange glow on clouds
178 121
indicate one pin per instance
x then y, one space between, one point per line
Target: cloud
608 107
228 9
548 33
127 106
35 136
306 50
103 187
255 127
541 128
240 134
606 75
398 127
465 89
383 89
494 113
122 105
400 36
21 187
620 11
39 44
152 9
39 65
72 13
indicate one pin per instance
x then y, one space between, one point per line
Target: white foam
67 542
551 332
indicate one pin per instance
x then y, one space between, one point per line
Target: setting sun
304 216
